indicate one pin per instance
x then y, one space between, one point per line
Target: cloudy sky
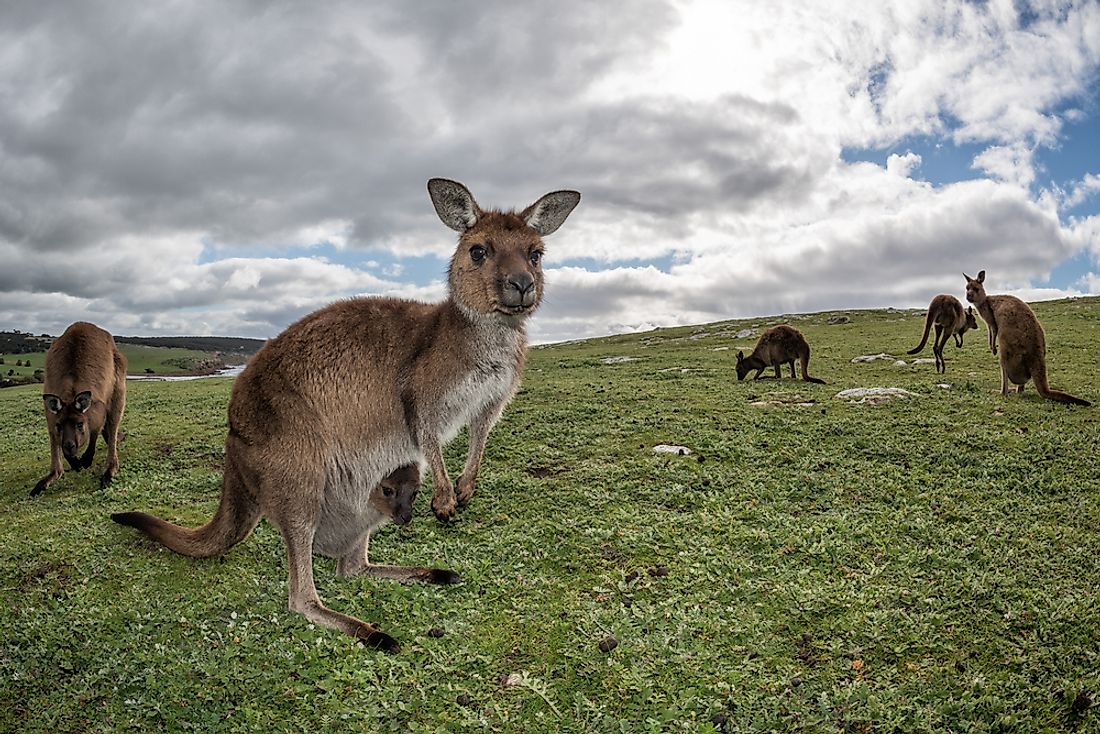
226 167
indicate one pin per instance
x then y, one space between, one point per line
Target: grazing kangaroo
777 346
332 405
84 394
950 319
1015 331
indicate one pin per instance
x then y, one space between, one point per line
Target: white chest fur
488 378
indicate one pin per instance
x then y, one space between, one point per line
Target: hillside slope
930 563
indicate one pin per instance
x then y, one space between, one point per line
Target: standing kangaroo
1017 334
84 394
333 404
777 346
950 319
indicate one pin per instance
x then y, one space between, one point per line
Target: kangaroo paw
444 508
443 577
376 639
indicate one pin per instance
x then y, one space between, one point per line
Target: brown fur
778 345
84 395
1015 332
950 319
333 404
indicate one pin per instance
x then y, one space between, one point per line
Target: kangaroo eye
477 253
80 426
387 491
535 257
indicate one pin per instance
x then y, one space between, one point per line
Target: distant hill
225 344
21 342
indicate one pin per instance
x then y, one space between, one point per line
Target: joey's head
496 270
742 368
971 320
975 288
396 494
69 421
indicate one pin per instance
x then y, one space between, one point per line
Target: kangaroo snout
518 289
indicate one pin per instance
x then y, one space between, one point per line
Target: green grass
162 360
926 564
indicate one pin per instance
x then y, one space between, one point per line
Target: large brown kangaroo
777 346
84 394
1015 331
950 319
350 392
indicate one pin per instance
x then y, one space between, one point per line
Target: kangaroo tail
924 337
805 366
1039 375
237 515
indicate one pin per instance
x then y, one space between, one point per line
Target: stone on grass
668 448
872 357
873 395
743 334
618 360
839 319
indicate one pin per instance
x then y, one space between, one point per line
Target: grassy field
931 563
161 360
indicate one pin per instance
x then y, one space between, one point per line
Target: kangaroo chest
488 382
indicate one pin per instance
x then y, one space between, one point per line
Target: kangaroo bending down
84 394
1015 331
332 405
950 319
777 346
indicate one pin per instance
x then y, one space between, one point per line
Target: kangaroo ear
981 276
53 403
454 204
83 401
549 212
740 356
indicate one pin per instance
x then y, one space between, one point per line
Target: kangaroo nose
69 447
519 289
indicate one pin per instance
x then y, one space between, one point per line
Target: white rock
667 448
872 357
873 394
899 363
924 361
743 334
720 349
618 360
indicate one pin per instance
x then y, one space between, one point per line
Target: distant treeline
223 344
19 342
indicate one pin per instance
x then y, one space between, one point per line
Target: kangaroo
329 407
950 320
392 501
84 395
1015 331
777 346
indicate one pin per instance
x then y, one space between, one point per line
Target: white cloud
1010 163
902 165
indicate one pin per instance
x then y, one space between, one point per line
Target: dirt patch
56 575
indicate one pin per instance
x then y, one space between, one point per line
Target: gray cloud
137 141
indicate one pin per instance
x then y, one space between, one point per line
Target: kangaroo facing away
778 345
1015 332
327 409
84 394
950 319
